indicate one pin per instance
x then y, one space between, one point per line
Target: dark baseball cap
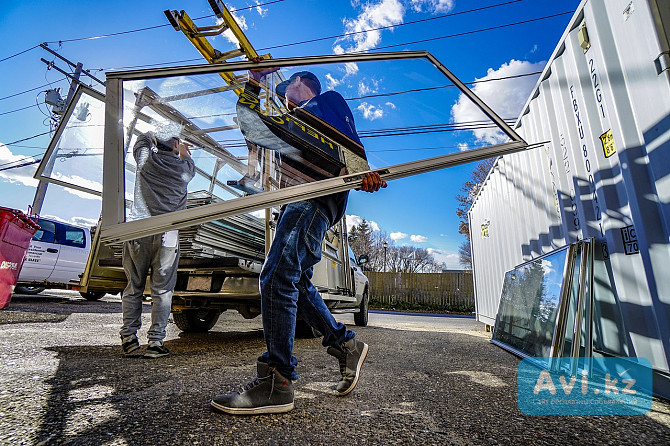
166 145
281 88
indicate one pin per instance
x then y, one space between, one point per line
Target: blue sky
418 210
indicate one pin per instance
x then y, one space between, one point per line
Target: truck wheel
305 331
92 295
28 289
361 318
196 321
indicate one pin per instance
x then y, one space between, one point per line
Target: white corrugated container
603 105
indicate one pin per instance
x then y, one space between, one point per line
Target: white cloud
261 12
241 21
395 236
80 181
505 97
331 82
355 220
79 221
390 105
418 238
83 221
367 87
374 15
361 34
370 112
350 68
22 175
463 146
433 6
450 259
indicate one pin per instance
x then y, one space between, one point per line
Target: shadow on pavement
416 388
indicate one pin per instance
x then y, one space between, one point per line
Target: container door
73 253
42 254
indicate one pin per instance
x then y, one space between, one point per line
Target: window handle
52 250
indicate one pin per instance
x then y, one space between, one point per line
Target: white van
57 254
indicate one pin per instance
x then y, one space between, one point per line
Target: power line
78 39
390 26
17 160
473 32
378 48
412 149
27 147
18 109
26 139
32 89
19 53
340 35
429 128
22 165
394 93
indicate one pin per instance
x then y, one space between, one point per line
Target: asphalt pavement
428 380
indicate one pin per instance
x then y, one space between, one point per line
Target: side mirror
363 259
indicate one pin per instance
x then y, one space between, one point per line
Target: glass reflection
300 140
529 305
76 159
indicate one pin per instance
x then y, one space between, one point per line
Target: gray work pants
161 254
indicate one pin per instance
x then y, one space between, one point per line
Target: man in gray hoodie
164 169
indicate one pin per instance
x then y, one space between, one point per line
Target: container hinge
662 62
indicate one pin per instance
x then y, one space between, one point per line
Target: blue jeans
287 290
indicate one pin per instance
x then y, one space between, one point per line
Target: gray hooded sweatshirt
161 179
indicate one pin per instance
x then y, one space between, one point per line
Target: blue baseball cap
281 88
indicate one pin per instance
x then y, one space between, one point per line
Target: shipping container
602 104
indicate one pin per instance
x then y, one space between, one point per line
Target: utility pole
41 191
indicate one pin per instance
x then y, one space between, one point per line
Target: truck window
71 236
46 233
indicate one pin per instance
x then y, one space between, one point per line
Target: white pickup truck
57 255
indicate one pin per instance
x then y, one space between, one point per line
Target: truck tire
92 295
196 321
305 331
19 289
361 318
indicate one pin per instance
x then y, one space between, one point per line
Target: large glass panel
76 158
250 137
529 305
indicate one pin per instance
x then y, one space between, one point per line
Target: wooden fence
455 288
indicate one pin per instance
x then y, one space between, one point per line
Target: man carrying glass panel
285 281
164 169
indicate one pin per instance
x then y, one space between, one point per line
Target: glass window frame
114 228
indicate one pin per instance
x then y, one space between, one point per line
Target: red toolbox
16 231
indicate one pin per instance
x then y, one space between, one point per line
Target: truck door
73 253
42 254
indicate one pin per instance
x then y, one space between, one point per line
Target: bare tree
469 190
363 240
465 254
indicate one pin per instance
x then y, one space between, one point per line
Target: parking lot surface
427 381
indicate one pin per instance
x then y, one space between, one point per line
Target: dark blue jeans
287 290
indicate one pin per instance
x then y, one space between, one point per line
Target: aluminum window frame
62 124
114 228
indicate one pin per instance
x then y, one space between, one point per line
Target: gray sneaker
351 358
269 392
156 349
130 344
